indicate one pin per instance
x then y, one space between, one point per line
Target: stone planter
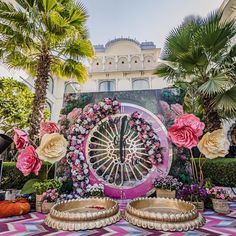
46 207
165 193
221 206
38 203
199 205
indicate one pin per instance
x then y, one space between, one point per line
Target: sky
143 20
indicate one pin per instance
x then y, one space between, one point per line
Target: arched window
140 84
72 87
50 87
106 86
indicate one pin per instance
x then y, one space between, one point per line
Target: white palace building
124 64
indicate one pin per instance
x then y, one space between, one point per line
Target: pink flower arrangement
20 139
51 195
74 114
186 130
48 128
28 161
218 193
148 136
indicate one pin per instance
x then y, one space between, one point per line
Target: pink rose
28 161
48 128
74 114
186 131
20 138
191 121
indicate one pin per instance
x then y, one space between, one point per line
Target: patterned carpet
32 224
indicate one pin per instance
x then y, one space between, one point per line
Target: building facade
124 64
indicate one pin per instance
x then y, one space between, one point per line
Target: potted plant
219 199
194 194
41 187
48 199
166 186
96 190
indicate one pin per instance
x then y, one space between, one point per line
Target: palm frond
19 60
77 49
168 71
70 69
49 5
226 103
216 85
215 35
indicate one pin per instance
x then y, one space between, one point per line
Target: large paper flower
48 128
28 161
20 138
52 148
214 144
186 131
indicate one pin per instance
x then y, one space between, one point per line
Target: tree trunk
39 101
213 121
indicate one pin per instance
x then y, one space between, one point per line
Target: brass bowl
81 214
163 214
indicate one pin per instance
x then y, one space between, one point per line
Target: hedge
13 178
221 171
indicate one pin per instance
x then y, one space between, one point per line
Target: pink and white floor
32 224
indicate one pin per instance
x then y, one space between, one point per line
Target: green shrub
13 178
41 187
221 171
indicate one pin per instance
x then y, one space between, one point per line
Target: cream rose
52 148
214 144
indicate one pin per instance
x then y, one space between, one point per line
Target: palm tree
45 38
199 55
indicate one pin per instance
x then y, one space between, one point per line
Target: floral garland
148 136
78 133
80 129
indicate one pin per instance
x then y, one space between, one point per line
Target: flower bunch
167 182
218 193
41 187
148 136
170 112
52 148
95 190
78 132
193 193
186 132
51 195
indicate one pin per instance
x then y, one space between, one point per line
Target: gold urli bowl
163 214
82 214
